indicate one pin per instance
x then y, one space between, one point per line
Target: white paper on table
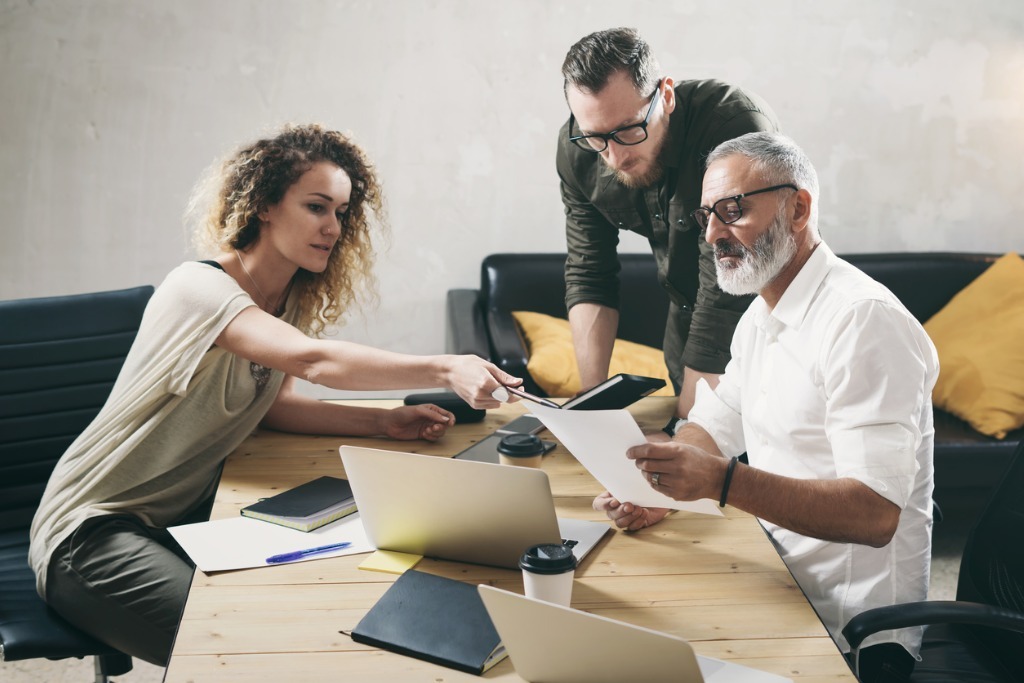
599 439
243 542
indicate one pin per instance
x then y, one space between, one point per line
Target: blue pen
299 554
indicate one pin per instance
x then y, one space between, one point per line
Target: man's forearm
839 510
593 337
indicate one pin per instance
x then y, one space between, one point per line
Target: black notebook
614 393
436 619
308 506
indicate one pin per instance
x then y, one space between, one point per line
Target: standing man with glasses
631 157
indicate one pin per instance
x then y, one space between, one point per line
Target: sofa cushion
979 336
552 361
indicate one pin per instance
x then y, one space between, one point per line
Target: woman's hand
475 380
425 421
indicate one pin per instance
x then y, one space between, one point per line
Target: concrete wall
912 111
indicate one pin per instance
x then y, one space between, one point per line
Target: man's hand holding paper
679 470
600 440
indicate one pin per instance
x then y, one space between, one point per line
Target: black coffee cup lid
548 558
520 445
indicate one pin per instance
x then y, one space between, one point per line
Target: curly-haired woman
218 351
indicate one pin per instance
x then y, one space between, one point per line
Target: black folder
435 619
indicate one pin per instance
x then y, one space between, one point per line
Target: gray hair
595 58
778 159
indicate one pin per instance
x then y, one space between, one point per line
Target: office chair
979 637
59 357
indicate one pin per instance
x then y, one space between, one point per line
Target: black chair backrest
924 282
536 282
59 357
992 567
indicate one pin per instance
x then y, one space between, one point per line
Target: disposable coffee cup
524 450
548 570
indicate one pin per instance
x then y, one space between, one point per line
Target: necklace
258 290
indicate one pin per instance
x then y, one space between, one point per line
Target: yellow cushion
979 335
552 361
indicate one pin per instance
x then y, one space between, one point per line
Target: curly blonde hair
258 175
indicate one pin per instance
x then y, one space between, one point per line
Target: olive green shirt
701 317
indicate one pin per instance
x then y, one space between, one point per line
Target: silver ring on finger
656 479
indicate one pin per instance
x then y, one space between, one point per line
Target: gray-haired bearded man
829 394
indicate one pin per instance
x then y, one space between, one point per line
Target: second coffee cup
524 450
548 571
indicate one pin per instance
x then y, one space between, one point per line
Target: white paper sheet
599 439
242 542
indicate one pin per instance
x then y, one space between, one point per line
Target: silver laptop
556 644
459 510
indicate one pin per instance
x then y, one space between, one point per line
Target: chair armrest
926 613
510 352
465 331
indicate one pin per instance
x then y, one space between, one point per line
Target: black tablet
616 392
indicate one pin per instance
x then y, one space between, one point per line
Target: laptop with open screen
458 510
556 644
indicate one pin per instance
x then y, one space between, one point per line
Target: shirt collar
797 299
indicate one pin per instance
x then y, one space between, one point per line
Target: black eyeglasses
633 134
728 209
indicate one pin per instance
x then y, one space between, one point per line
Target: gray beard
761 264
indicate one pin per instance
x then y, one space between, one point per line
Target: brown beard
638 182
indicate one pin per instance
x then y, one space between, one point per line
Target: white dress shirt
836 382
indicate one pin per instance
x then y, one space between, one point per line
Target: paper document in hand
599 439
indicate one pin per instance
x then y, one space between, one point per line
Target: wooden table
716 582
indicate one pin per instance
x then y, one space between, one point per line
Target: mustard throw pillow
552 363
979 335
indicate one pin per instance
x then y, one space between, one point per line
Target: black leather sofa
479 321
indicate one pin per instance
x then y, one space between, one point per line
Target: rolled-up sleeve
875 385
592 262
718 412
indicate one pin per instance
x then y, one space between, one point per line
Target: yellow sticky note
390 562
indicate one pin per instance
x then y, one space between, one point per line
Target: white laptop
459 510
556 644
